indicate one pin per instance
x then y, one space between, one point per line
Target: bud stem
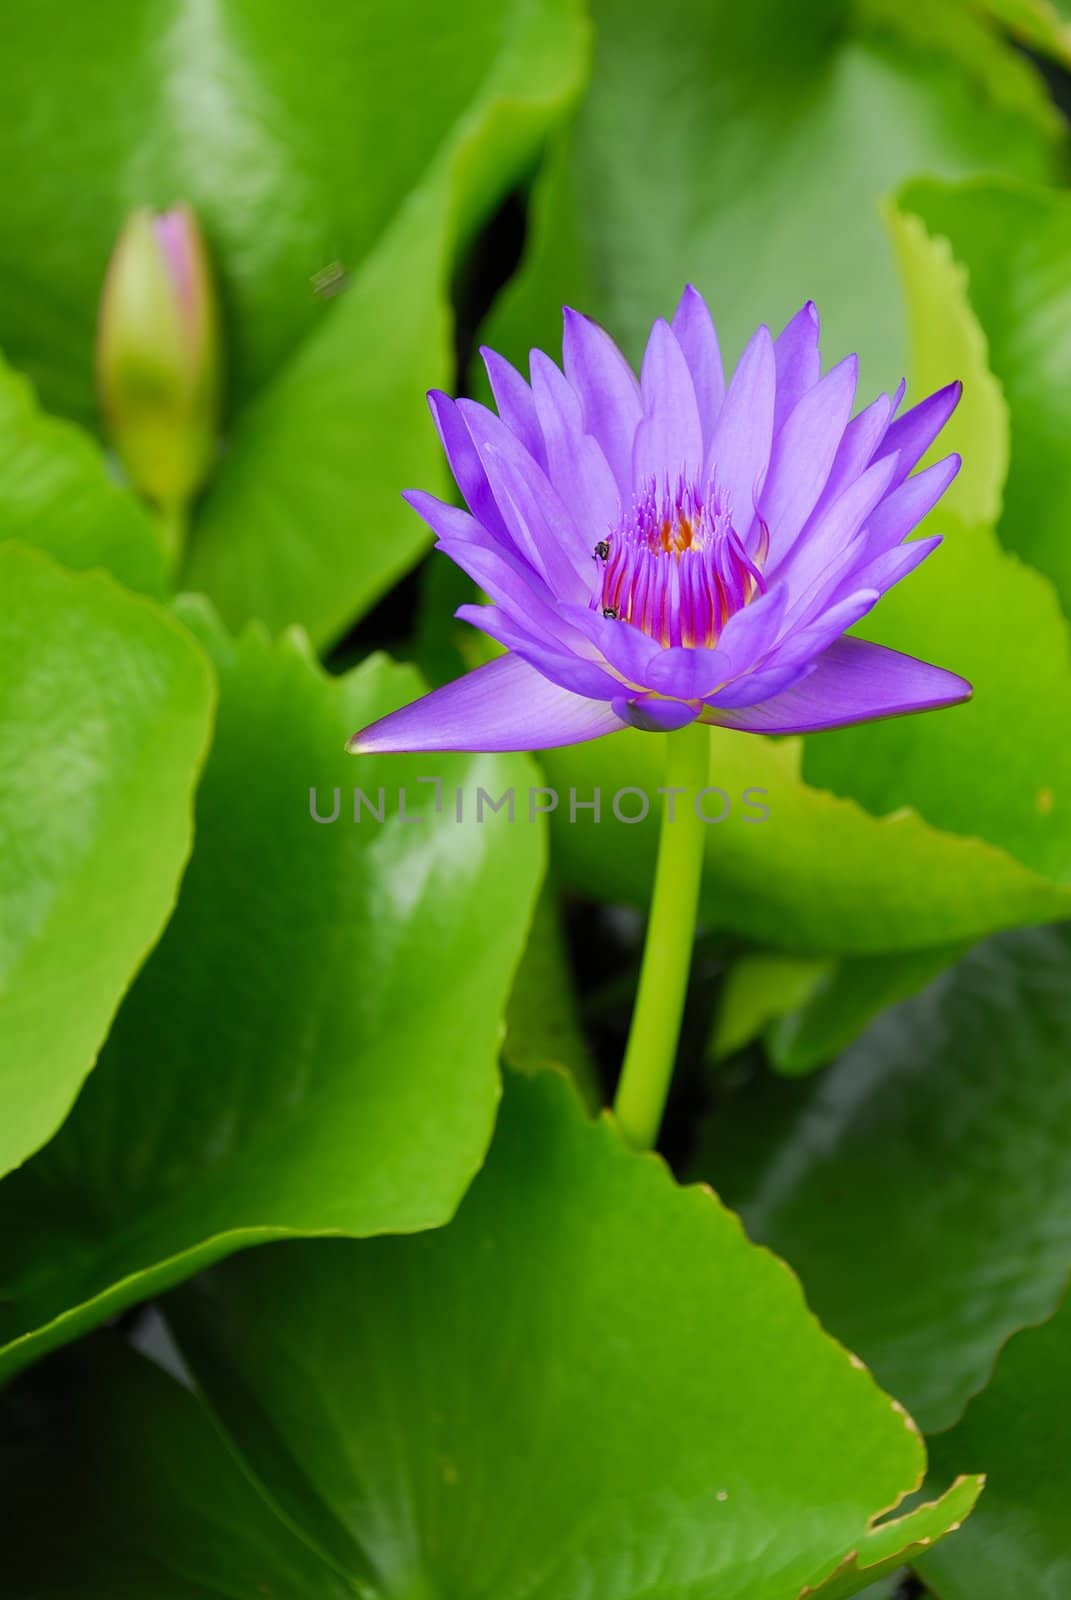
173 523
656 1019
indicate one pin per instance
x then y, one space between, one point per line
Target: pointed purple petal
539 524
854 681
856 449
803 453
653 715
576 465
750 634
888 569
831 545
445 520
755 687
669 441
515 403
740 448
697 337
902 510
695 674
914 432
510 584
505 705
465 463
686 674
558 663
800 644
627 650
608 390
798 361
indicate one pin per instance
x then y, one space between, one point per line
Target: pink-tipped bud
158 355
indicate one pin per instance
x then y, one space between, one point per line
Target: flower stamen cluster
676 567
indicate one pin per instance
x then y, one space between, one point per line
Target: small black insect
602 550
609 611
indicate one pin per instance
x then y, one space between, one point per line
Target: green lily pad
1018 1429
543 1027
809 1008
899 1539
845 998
105 715
588 1382
122 1489
759 988
920 1186
340 163
1040 24
313 1046
1021 296
56 493
990 769
756 173
819 876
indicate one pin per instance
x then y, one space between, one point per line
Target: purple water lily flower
668 550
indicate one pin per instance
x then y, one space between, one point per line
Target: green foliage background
480 1349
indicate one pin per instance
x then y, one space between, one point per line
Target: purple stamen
676 568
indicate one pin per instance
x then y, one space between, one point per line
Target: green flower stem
173 522
667 955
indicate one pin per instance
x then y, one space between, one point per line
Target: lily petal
505 705
901 511
465 464
890 567
830 546
555 661
515 402
913 433
576 465
740 448
669 441
803 454
538 523
608 389
653 715
856 450
853 681
754 687
797 358
698 339
510 585
805 643
446 521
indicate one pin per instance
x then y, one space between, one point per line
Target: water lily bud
158 356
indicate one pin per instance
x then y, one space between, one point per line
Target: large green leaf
921 1186
706 152
313 1046
543 1027
56 492
896 1540
326 136
590 1382
818 876
105 715
844 1000
809 1008
1021 295
759 988
117 1486
1017 1431
1038 23
992 769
